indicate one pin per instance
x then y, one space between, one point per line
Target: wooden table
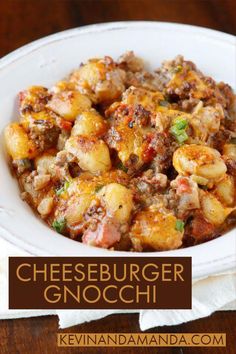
38 335
22 21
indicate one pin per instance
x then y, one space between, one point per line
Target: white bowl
49 59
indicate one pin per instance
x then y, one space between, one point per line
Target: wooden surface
38 335
22 21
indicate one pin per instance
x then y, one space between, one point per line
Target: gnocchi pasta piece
229 150
101 79
68 104
77 206
74 199
212 209
225 190
89 123
45 206
156 230
92 154
199 160
79 194
118 201
45 163
18 144
206 121
41 181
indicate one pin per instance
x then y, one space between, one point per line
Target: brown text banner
100 282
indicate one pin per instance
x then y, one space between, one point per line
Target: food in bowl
121 158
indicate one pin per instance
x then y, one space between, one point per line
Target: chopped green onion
98 188
178 129
60 191
120 166
181 123
181 138
164 103
175 131
59 225
66 185
179 225
63 188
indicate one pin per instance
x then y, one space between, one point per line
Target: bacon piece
105 235
183 185
201 229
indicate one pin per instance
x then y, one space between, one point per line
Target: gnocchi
89 123
225 190
213 210
118 201
68 104
18 144
92 155
153 229
44 163
100 79
201 161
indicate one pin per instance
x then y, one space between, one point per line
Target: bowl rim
220 264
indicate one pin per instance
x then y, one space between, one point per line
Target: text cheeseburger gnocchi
121 158
102 272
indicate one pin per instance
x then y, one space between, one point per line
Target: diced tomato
149 151
64 124
149 154
183 186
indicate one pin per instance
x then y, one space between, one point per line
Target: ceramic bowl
49 59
